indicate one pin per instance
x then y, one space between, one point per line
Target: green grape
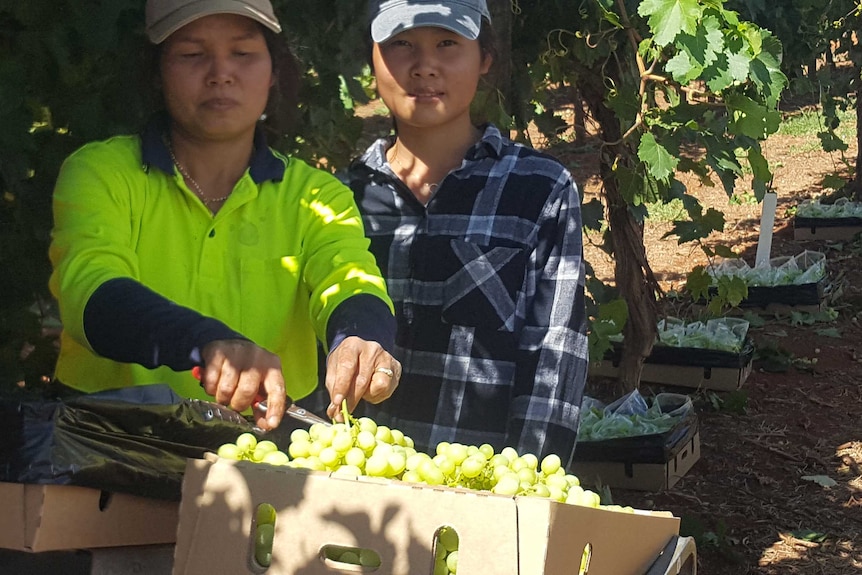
263 536
397 463
266 446
487 449
342 441
498 460
298 449
377 466
369 558
457 453
441 448
415 459
541 490
550 464
440 567
315 430
556 493
329 456
314 462
531 460
265 514
366 440
349 557
507 485
348 471
230 451
448 538
411 476
527 475
431 474
383 434
473 466
444 464
367 424
572 479
246 442
509 453
575 495
325 435
316 447
452 561
355 456
557 481
382 449
408 442
299 434
275 458
397 437
501 471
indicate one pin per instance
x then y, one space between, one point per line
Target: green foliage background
70 73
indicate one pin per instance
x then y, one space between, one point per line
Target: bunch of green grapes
248 448
356 447
446 552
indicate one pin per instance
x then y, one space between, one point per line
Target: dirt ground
754 501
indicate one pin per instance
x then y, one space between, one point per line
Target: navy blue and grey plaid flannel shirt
488 285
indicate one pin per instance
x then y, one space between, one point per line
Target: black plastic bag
134 440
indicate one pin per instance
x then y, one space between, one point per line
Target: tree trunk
633 276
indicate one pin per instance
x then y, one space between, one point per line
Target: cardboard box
641 476
717 378
499 535
826 228
63 517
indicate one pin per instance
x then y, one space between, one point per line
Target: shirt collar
264 165
490 145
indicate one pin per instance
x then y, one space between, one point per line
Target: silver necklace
425 186
207 201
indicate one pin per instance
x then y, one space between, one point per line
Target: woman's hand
358 369
240 374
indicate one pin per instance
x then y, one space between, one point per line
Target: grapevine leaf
699 227
682 68
766 68
717 74
831 142
697 283
732 289
760 170
738 64
833 181
631 185
667 18
752 119
660 162
696 48
592 214
625 103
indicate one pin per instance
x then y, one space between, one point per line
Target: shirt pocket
484 290
272 296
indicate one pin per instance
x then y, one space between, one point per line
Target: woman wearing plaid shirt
479 240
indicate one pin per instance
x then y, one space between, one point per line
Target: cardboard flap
13 520
60 517
620 542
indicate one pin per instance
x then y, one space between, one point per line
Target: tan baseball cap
164 17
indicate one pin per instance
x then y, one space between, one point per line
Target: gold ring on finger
385 370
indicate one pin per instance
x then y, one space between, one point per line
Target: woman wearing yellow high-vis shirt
194 243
